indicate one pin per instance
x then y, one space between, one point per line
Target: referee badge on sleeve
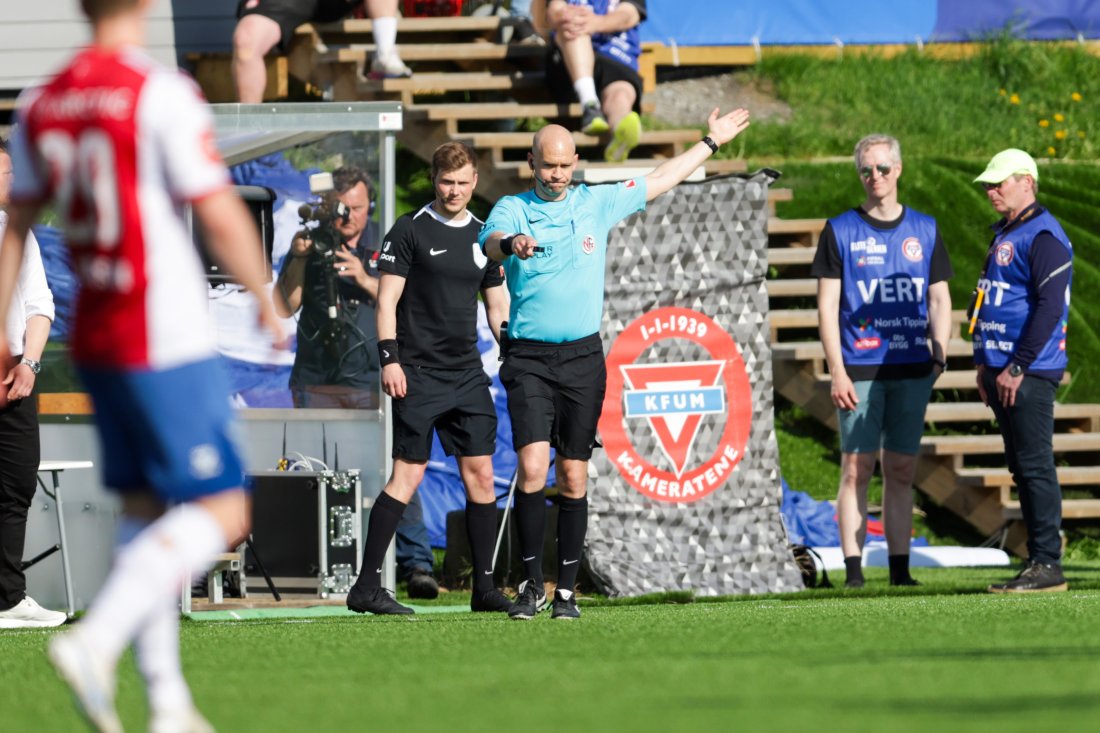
479 257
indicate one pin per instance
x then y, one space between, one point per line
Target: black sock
381 526
853 566
899 568
572 527
531 524
481 528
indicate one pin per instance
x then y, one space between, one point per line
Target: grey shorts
890 415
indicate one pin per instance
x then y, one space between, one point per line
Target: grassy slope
914 661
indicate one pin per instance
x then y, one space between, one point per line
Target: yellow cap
1011 162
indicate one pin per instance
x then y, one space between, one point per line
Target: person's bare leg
253 37
851 508
617 101
898 470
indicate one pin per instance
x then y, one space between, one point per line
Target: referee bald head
553 158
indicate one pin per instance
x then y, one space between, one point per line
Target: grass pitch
941 657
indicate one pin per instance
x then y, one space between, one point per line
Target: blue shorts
171 432
890 415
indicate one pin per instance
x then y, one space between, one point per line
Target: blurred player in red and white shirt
119 144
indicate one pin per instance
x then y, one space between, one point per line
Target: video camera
322 220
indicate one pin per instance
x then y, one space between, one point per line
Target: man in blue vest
885 318
1020 352
594 55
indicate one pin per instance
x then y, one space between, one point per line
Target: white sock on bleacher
586 90
385 36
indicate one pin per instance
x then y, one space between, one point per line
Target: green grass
941 657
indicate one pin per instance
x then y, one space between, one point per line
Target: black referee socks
572 526
481 528
531 526
381 527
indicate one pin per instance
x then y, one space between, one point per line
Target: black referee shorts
607 70
455 403
290 14
555 393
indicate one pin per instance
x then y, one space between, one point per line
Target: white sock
148 573
156 646
585 87
385 36
157 651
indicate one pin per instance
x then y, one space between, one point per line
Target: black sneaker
1037 577
592 120
565 605
490 600
907 580
375 600
422 585
531 600
854 583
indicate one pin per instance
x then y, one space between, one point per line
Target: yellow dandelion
1051 151
1081 134
1060 134
1003 92
1059 117
1014 99
1076 96
1044 123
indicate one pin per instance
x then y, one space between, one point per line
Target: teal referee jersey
557 294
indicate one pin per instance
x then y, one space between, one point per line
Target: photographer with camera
330 279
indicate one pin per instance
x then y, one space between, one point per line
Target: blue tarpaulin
808 22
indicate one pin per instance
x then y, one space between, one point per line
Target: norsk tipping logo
669 400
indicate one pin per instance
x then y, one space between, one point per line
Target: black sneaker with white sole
531 600
1037 577
375 600
490 601
565 605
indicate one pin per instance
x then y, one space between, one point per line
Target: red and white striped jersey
120 143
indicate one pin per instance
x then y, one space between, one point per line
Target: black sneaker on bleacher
490 601
565 605
375 600
531 600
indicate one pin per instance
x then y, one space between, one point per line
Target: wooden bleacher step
360 53
942 412
964 445
466 81
1001 477
1071 509
811 350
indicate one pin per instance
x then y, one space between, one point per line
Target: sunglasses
882 168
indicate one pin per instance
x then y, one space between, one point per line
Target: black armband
710 144
387 352
506 244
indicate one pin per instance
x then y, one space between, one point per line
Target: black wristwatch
36 366
941 363
1015 370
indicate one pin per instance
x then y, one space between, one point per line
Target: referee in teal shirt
553 243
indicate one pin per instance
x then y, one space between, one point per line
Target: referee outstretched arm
553 158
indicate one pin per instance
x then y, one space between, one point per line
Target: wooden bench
956 445
803 231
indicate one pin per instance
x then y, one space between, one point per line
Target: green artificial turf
941 657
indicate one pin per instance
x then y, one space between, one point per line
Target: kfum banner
687 490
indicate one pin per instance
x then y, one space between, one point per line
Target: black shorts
455 403
607 70
555 393
290 14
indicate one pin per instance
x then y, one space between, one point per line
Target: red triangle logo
675 432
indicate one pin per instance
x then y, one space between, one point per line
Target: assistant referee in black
432 269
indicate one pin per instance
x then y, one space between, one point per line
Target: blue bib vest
1009 298
624 46
883 302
